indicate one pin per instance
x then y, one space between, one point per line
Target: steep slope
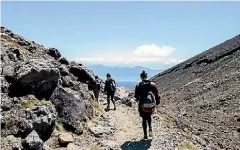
39 90
202 94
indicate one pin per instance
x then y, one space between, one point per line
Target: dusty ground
128 134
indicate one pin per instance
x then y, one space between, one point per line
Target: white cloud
144 54
153 51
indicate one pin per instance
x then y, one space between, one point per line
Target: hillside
202 94
40 90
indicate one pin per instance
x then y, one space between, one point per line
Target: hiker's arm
105 87
156 92
136 93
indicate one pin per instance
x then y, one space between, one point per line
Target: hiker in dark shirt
96 87
146 93
109 89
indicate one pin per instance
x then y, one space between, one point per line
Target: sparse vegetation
59 127
97 106
93 148
80 128
31 103
168 121
187 146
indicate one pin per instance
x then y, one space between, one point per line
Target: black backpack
112 85
147 97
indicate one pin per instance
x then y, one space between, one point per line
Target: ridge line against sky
150 34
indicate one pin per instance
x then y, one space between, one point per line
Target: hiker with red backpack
146 93
109 89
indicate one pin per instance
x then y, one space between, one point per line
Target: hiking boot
145 136
150 133
114 107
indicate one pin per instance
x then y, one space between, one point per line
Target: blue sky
151 34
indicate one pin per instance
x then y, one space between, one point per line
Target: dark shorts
110 95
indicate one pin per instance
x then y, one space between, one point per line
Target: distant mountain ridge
123 74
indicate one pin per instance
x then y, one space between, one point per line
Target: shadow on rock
136 145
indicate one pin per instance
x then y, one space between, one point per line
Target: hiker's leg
113 101
96 95
108 100
144 125
149 120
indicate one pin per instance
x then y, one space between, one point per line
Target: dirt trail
127 123
129 132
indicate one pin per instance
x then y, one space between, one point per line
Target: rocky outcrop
82 73
38 77
72 107
33 142
202 94
43 120
64 61
54 53
39 87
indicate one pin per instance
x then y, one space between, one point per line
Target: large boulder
72 107
33 141
64 61
83 73
38 77
43 120
54 53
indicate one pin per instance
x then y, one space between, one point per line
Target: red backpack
147 97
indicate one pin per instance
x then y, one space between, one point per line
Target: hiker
96 87
109 89
146 93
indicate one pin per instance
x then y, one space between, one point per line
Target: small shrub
97 106
29 103
60 127
93 148
80 128
187 146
